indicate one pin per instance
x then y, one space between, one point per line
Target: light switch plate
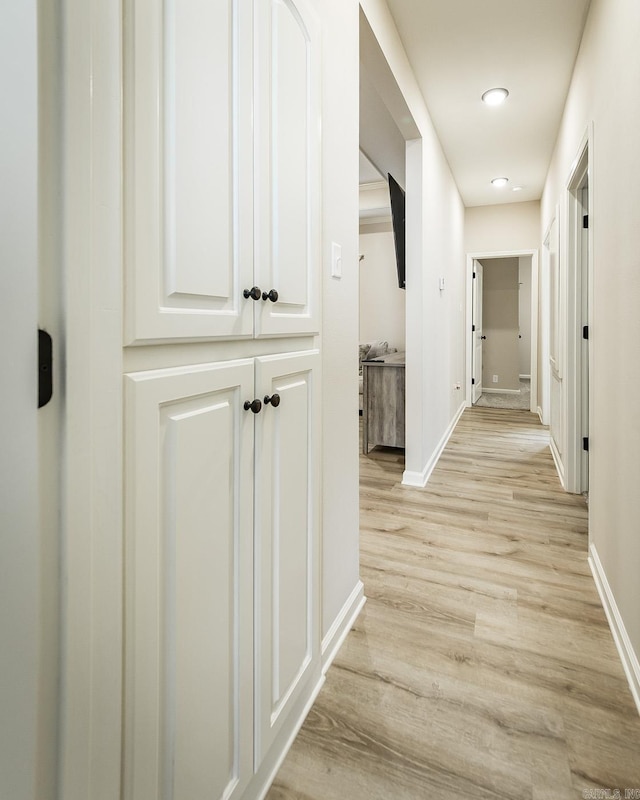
336 260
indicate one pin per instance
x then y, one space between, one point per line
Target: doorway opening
502 316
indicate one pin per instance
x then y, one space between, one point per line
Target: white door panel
189 591
286 527
477 331
288 247
188 161
24 657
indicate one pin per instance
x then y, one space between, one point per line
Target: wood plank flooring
482 665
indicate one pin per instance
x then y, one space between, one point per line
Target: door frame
91 606
578 273
468 336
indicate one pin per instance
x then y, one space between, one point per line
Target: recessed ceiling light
517 188
499 182
493 97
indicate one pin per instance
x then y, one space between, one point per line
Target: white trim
621 638
525 377
500 391
262 780
91 643
539 412
576 479
342 624
545 313
557 460
420 479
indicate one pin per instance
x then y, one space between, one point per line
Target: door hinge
45 368
585 443
585 221
474 274
473 327
585 331
473 381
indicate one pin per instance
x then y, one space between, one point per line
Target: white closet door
288 178
189 588
286 554
188 168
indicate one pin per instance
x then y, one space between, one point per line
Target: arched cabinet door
222 169
188 78
287 166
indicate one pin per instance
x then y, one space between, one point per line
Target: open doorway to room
382 318
502 320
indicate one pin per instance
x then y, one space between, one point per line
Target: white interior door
477 334
20 541
583 204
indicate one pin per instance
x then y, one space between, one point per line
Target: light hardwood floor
482 665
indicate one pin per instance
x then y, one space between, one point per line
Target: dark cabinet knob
253 293
271 295
253 405
483 337
274 400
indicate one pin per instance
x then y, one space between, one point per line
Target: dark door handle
253 293
483 337
45 368
253 405
271 295
274 400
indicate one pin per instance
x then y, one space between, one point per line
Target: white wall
435 250
382 302
511 226
604 93
340 477
380 138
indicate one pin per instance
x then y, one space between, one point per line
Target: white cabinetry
222 165
222 198
221 563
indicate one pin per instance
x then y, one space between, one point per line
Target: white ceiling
460 48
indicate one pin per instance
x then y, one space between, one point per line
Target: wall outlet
495 378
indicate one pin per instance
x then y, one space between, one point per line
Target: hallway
482 665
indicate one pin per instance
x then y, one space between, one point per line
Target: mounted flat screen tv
396 193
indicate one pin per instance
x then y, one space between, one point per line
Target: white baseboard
500 391
525 377
620 637
557 460
420 478
262 780
540 415
342 624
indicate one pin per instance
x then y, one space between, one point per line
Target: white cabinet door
286 544
287 166
188 169
189 586
196 168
